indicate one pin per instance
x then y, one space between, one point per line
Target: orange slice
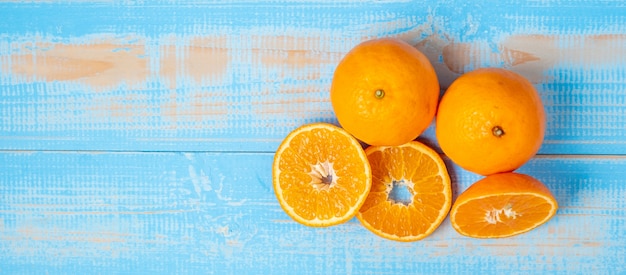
321 175
410 194
502 205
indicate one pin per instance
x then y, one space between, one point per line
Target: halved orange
321 175
502 205
410 195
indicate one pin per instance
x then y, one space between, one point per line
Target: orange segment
321 176
410 194
502 205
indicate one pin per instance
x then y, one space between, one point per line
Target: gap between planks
234 152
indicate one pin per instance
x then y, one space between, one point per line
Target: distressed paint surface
239 77
138 137
216 213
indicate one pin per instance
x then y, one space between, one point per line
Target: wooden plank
216 213
210 76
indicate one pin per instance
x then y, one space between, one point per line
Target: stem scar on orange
502 205
490 121
410 194
384 92
321 175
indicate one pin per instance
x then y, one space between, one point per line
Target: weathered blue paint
581 82
216 213
138 137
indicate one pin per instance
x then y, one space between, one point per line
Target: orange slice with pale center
321 175
410 195
502 205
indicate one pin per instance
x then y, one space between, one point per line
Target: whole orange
385 92
490 120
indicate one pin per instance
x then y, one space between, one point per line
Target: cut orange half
321 175
410 194
502 205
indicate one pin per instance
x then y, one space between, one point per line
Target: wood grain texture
205 76
138 136
216 213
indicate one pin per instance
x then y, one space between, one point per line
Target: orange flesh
502 205
428 185
321 176
502 214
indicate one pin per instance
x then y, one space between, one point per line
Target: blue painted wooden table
138 136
